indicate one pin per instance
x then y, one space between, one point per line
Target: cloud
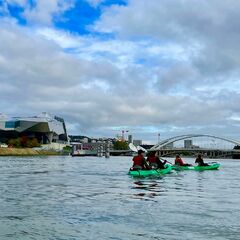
179 78
21 3
46 11
3 9
95 3
161 70
39 12
208 29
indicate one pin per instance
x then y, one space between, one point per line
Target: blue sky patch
78 18
16 12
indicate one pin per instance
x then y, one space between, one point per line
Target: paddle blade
132 147
141 148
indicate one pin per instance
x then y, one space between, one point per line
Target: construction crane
120 137
123 136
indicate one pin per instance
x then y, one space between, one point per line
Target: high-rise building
137 142
130 139
188 143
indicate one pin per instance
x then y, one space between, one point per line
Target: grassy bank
26 152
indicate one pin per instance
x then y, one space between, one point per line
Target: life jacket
179 161
138 160
152 159
200 161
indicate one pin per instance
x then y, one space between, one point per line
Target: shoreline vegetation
27 152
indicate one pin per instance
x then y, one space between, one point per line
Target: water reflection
147 189
76 198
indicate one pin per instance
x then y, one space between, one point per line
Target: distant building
169 146
45 128
130 139
195 147
80 147
87 143
79 138
137 142
188 144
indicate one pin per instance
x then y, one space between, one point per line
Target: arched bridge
165 150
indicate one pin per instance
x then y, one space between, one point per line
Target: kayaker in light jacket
139 161
154 161
180 162
200 161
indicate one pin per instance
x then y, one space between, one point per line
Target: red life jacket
179 161
138 160
152 159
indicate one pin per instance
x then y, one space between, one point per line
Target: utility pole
158 137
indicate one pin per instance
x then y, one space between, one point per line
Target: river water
67 198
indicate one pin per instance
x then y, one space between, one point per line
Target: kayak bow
152 172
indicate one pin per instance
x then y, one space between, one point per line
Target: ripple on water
89 198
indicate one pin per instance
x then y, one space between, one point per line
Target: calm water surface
67 198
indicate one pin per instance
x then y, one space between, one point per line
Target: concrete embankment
26 152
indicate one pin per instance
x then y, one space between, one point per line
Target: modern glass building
45 128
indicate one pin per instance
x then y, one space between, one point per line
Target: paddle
141 148
212 162
145 150
132 147
166 160
135 149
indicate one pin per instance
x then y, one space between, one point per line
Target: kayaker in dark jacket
154 161
180 162
200 161
139 161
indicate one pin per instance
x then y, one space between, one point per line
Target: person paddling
200 161
154 161
139 162
180 162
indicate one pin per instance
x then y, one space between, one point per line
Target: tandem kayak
213 166
152 172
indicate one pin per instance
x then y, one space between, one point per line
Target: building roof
40 123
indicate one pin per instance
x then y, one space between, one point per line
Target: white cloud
44 11
95 3
208 30
38 12
162 73
22 3
3 9
122 53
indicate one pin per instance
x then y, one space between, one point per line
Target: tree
15 142
120 145
24 142
32 143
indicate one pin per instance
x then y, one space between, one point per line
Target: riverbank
27 152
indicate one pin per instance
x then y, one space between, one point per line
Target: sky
146 66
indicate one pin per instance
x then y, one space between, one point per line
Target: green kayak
153 172
213 166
